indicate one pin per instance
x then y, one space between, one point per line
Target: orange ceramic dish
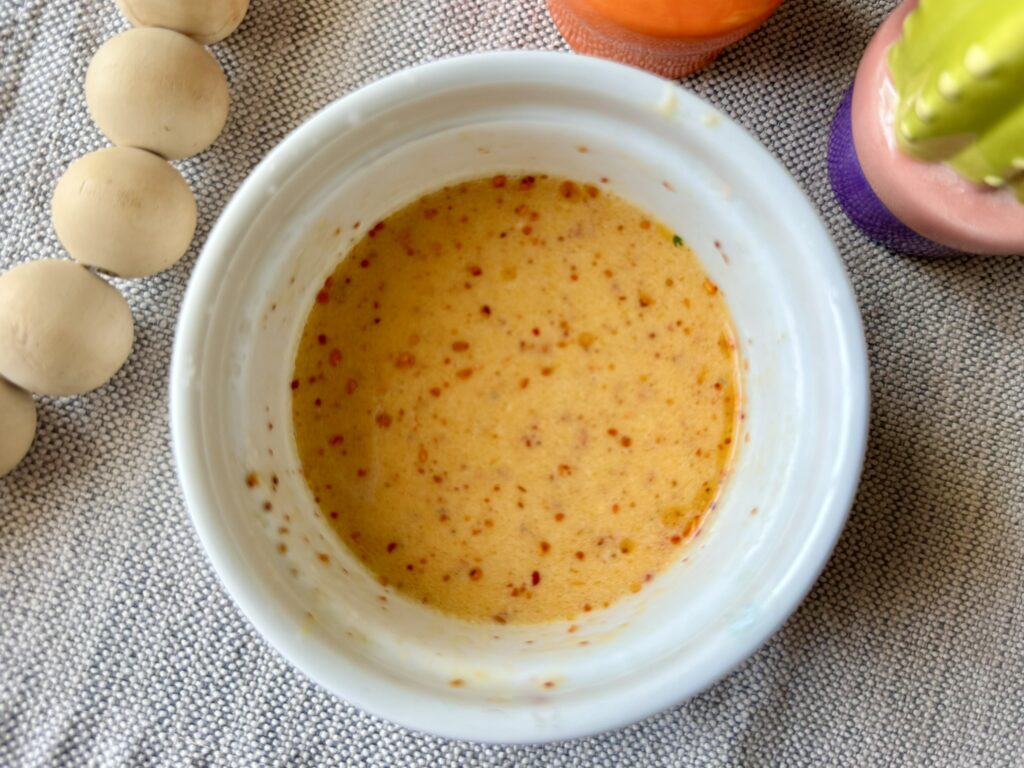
668 37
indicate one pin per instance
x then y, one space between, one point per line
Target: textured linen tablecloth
118 645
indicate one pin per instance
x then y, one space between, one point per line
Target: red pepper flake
318 402
267 506
546 371
295 384
486 310
430 213
710 287
564 470
405 360
568 190
544 547
587 608
626 441
524 383
476 574
438 479
321 339
383 420
645 224
334 358
360 473
475 271
646 299
364 263
460 346
591 190
499 181
435 391
376 228
527 182
676 539
527 230
465 373
559 517
500 619
334 515
535 578
252 480
580 555
323 557
336 440
322 297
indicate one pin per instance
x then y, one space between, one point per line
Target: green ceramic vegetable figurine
959 72
926 153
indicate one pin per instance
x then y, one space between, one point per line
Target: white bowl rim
197 483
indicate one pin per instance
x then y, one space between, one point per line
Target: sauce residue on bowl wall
517 398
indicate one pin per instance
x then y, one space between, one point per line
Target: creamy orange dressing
516 399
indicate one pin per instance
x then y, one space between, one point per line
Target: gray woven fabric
119 647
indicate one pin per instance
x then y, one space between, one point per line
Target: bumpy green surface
959 72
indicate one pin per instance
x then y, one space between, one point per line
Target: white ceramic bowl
381 147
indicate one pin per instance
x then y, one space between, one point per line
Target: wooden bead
63 330
208 21
124 211
17 425
158 90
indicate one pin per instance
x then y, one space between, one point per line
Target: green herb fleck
677 241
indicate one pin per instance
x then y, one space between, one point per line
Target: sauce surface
516 399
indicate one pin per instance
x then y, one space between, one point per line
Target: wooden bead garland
158 95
